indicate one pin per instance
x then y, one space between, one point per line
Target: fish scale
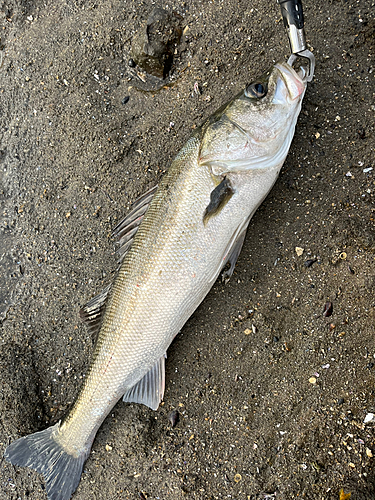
194 226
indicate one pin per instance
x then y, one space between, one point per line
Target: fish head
255 129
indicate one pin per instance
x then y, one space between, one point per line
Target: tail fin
40 451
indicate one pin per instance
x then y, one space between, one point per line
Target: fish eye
256 90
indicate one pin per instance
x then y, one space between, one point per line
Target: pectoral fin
150 389
218 199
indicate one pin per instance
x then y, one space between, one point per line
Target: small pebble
312 380
361 133
368 418
328 309
108 447
174 418
125 100
286 347
299 251
310 262
344 496
131 63
369 453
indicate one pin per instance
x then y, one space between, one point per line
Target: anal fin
150 389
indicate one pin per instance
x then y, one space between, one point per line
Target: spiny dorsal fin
150 389
128 227
125 231
92 312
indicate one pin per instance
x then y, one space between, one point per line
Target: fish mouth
290 84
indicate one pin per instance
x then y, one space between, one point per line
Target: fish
174 244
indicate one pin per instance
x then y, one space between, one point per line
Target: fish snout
290 84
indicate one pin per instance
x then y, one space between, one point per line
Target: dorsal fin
128 227
92 312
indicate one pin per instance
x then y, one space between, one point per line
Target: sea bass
174 244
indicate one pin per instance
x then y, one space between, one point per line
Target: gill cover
256 128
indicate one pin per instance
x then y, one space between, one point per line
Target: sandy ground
74 155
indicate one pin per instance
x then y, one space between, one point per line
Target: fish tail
40 451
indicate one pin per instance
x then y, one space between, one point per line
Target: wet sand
272 394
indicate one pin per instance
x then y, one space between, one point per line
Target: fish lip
294 82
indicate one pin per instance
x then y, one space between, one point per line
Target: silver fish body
193 227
